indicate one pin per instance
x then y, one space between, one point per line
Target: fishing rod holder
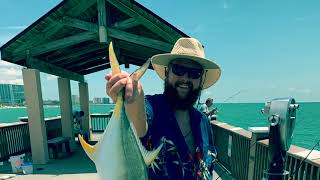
281 115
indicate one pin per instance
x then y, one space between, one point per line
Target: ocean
306 133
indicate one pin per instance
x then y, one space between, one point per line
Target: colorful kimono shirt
175 161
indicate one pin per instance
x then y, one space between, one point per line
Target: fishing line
297 169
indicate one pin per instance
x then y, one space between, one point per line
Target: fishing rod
300 165
233 95
226 99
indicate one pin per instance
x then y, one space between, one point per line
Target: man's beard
175 101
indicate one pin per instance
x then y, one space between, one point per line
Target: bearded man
188 134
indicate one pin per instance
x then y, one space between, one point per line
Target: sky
266 48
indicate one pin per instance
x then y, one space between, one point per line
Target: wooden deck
77 166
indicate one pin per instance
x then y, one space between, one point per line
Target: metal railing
15 137
99 122
14 140
238 151
235 146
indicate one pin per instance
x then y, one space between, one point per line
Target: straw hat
188 48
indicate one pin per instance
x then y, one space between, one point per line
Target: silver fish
119 153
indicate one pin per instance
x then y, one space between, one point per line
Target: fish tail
89 149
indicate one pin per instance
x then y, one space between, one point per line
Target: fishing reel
281 114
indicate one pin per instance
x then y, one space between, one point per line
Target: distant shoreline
11 107
15 107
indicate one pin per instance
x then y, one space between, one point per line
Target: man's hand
134 99
123 80
213 111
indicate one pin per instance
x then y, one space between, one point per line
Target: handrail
99 122
235 146
15 137
238 149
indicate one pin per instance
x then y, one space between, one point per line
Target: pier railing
99 122
245 154
15 138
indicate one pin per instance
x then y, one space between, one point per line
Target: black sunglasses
193 73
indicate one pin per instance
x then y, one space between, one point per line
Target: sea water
306 132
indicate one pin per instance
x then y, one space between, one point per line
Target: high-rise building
101 100
75 99
11 94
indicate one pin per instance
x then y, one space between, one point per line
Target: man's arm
134 99
137 114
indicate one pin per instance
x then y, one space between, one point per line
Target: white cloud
5 37
5 63
51 77
12 81
306 91
196 29
207 92
13 27
10 72
292 89
302 91
225 5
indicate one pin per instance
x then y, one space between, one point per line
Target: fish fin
89 149
150 156
139 72
115 67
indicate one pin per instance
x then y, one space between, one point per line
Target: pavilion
70 41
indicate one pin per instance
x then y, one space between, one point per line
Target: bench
56 144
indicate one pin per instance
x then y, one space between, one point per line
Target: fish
119 153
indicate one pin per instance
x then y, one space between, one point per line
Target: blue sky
266 48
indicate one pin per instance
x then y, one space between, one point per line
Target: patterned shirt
175 161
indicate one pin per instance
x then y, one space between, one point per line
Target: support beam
78 52
80 24
37 127
128 9
95 69
122 35
126 24
102 15
52 69
54 45
84 106
66 110
144 41
52 29
82 58
88 61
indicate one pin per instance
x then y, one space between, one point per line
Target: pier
243 153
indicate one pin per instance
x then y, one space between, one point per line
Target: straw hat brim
212 70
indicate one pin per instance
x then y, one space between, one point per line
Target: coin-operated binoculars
281 114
